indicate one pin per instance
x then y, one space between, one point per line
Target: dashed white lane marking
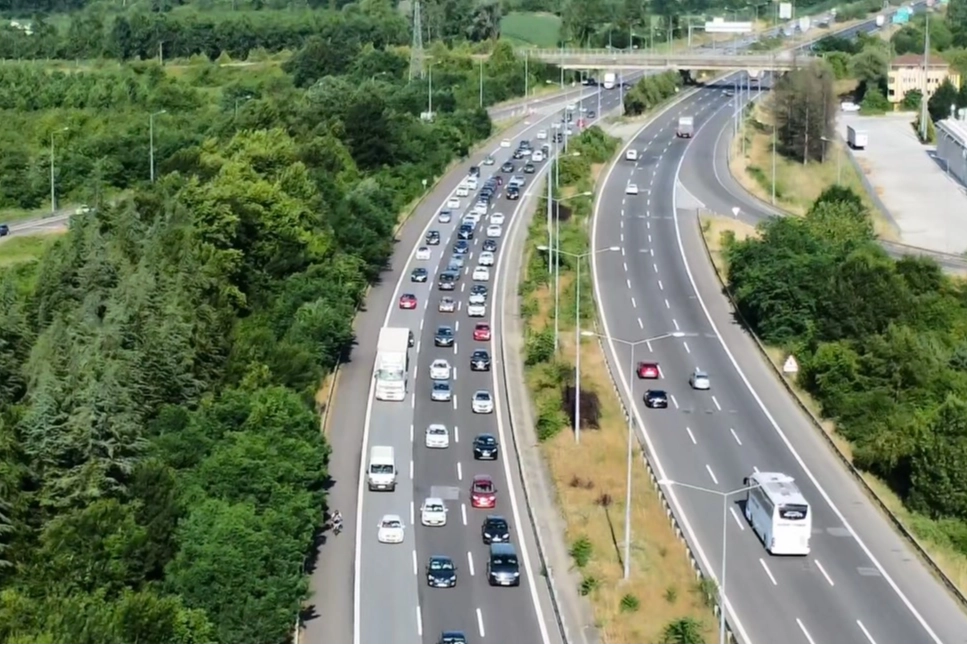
716 402
641 325
690 435
654 265
626 266
412 513
463 513
480 625
661 286
711 474
765 568
676 324
419 620
622 251
805 633
667 306
413 400
819 566
412 433
622 237
736 517
866 632
411 469
470 562
422 320
649 239
415 569
633 303
456 434
628 280
459 471
674 400
454 401
735 436
685 343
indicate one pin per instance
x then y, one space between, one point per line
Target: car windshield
482 396
504 560
391 524
434 508
483 487
441 565
438 430
478 355
441 386
486 440
497 525
444 331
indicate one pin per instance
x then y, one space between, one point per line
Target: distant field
529 28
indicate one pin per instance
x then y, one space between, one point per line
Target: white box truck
686 127
392 363
856 139
631 154
880 20
610 80
381 474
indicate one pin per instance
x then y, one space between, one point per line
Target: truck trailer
610 81
392 363
856 139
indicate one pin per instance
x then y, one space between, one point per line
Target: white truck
381 474
856 139
880 20
610 80
686 127
392 363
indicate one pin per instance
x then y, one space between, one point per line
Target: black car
495 529
656 399
530 169
498 180
452 638
524 144
419 274
443 336
412 340
465 232
447 281
441 572
433 238
592 114
518 154
461 247
507 167
513 193
545 148
480 361
485 447
559 137
474 171
4 230
490 245
486 194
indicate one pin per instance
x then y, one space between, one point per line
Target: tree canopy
162 471
880 344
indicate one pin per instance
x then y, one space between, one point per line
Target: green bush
629 603
539 347
589 585
550 418
650 91
581 551
874 102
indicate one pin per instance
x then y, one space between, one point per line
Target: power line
416 49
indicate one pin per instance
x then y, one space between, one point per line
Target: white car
390 530
486 259
462 191
453 203
433 512
537 157
423 253
471 218
631 154
505 143
542 134
477 310
631 189
497 218
447 305
482 402
480 209
437 436
481 274
440 370
494 230
699 381
471 183
478 299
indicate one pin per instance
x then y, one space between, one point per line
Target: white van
631 155
381 474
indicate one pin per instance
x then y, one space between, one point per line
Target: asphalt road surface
394 602
860 583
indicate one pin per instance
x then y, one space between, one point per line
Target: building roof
916 60
956 129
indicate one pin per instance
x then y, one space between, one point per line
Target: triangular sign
790 366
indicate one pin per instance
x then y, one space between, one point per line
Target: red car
481 332
407 301
482 492
649 370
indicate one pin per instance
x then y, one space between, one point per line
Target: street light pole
725 525
53 179
554 251
481 84
632 345
151 139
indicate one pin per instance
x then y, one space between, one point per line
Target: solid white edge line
819 566
755 395
735 623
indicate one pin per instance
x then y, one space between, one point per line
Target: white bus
778 513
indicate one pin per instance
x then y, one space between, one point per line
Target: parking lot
928 206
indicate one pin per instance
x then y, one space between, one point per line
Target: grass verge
24 248
662 592
797 185
927 531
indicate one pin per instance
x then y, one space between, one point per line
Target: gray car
441 391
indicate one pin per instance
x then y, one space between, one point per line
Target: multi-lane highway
393 601
861 583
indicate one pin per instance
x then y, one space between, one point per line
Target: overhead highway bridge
624 60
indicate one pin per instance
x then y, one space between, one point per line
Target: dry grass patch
590 482
950 560
797 185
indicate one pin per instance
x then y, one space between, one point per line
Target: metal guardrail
603 58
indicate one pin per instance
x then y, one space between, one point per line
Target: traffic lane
931 603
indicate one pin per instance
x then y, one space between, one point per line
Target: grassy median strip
662 601
719 231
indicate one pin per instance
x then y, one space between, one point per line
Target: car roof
439 385
433 500
436 426
657 392
478 352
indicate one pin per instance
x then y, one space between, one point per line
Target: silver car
441 391
699 380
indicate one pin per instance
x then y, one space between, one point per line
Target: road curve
861 583
393 603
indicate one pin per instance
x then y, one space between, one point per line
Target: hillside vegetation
161 465
881 347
